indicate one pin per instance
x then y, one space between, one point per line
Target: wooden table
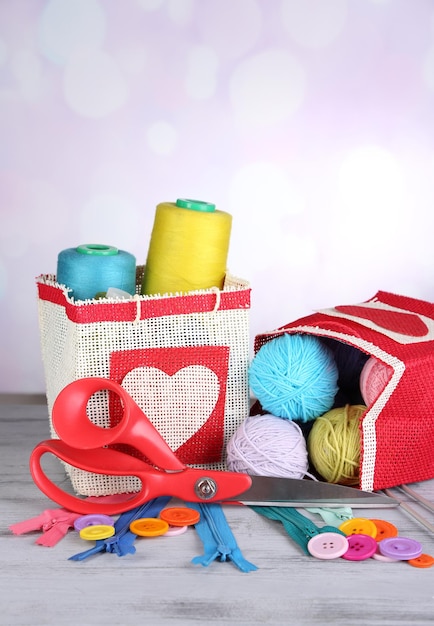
159 585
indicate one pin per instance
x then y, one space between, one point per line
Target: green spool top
97 249
195 205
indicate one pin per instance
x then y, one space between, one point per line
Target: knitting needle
414 514
423 501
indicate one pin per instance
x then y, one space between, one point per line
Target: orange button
359 526
384 529
424 560
149 527
180 516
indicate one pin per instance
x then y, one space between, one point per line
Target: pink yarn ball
374 377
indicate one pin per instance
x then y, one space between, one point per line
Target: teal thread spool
89 269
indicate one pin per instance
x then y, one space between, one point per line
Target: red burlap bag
397 429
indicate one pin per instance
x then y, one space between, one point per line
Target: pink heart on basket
177 405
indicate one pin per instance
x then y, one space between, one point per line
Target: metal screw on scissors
205 488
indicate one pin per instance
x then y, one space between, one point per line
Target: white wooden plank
160 585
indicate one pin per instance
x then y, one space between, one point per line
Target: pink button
360 547
175 530
328 545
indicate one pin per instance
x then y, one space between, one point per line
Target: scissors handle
72 424
189 484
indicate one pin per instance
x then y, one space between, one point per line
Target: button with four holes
358 526
360 547
400 548
180 516
149 527
97 531
328 545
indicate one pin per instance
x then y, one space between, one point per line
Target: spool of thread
294 376
188 249
266 445
334 444
93 268
374 377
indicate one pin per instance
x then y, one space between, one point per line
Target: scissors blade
292 492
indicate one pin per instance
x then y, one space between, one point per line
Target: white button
328 545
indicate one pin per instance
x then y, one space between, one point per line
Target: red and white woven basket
397 430
183 359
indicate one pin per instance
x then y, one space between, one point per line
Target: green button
195 205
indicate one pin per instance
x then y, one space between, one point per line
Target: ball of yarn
334 444
266 445
374 377
294 376
350 361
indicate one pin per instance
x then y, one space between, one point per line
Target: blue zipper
121 543
218 540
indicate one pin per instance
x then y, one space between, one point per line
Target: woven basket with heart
183 359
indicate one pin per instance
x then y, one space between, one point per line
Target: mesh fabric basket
183 359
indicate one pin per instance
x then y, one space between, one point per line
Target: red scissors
83 444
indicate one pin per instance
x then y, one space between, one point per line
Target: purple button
94 519
400 548
360 547
380 557
328 545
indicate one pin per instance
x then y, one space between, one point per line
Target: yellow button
149 527
359 526
98 531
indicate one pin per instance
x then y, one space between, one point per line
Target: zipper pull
217 538
53 522
121 543
333 517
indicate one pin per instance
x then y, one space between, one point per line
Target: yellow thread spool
188 248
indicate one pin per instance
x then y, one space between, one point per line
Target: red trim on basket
98 311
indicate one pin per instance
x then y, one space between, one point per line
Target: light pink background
310 121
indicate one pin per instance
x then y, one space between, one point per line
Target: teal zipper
298 526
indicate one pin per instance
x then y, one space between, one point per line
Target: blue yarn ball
294 376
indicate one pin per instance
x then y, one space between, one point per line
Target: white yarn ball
266 445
